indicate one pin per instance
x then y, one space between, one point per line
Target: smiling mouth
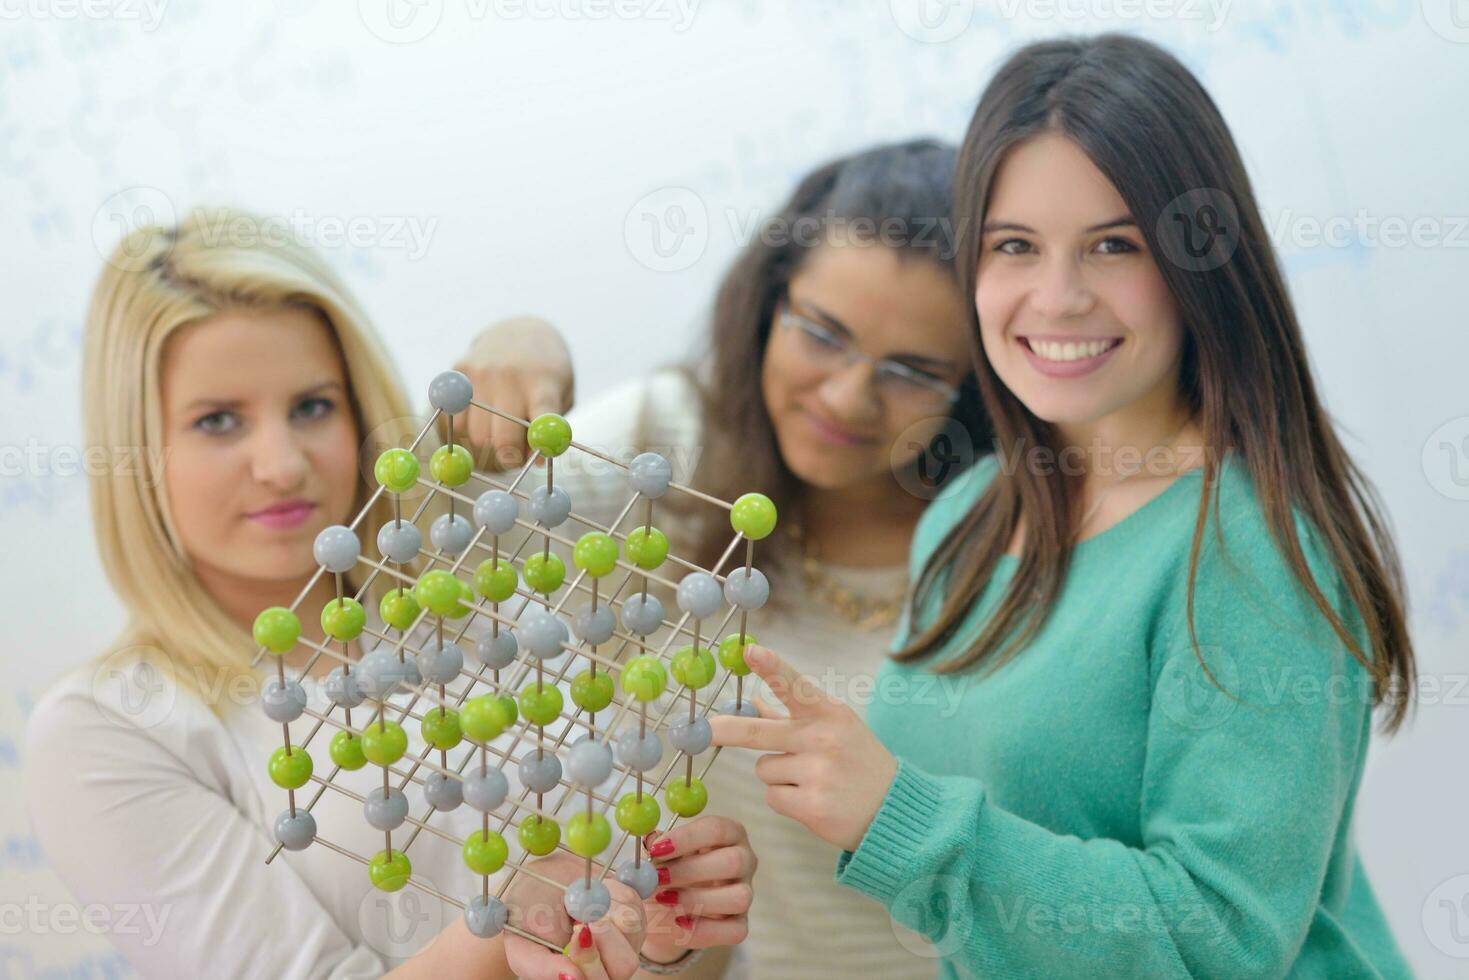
1064 351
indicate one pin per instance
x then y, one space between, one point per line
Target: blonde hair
158 280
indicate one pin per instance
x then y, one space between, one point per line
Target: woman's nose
1060 292
277 457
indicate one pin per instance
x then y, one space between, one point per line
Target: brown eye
310 409
217 423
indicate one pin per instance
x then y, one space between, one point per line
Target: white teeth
1069 351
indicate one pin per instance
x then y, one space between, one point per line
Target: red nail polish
668 897
565 976
649 838
664 876
684 921
585 939
662 848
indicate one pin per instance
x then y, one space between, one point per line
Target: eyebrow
1118 222
799 306
218 404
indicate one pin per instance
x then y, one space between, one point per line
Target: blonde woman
255 376
838 383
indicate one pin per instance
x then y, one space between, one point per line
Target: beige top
802 924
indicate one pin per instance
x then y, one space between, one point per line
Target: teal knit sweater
1096 807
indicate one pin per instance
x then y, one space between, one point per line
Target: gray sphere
295 831
746 710
385 812
496 511
589 762
641 877
451 534
498 650
586 903
637 754
649 474
540 771
746 588
549 510
485 916
283 702
594 626
341 687
692 737
485 788
443 793
699 595
541 633
642 614
337 548
441 665
381 674
399 542
450 392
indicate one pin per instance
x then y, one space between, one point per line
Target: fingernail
565 976
667 897
649 838
661 849
585 939
684 921
664 876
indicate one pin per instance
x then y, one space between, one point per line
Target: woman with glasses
838 382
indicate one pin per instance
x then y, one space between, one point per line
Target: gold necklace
865 613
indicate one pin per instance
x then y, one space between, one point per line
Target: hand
606 948
827 770
705 867
519 365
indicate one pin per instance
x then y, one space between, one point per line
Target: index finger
760 734
799 693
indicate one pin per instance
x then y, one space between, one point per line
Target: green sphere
753 515
539 835
549 434
644 677
540 705
693 669
277 629
591 692
638 817
544 571
384 742
687 799
485 852
482 719
396 470
389 872
440 728
290 771
346 751
595 553
646 547
343 619
451 465
399 609
495 579
588 834
732 653
437 591
466 600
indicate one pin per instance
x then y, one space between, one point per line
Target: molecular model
500 705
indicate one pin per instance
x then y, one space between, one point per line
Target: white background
599 163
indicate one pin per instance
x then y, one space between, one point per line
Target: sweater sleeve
1243 801
130 826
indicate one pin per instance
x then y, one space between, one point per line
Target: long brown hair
902 193
1150 127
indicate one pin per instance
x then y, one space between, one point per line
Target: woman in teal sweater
1126 718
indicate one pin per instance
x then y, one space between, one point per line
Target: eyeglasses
832 350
